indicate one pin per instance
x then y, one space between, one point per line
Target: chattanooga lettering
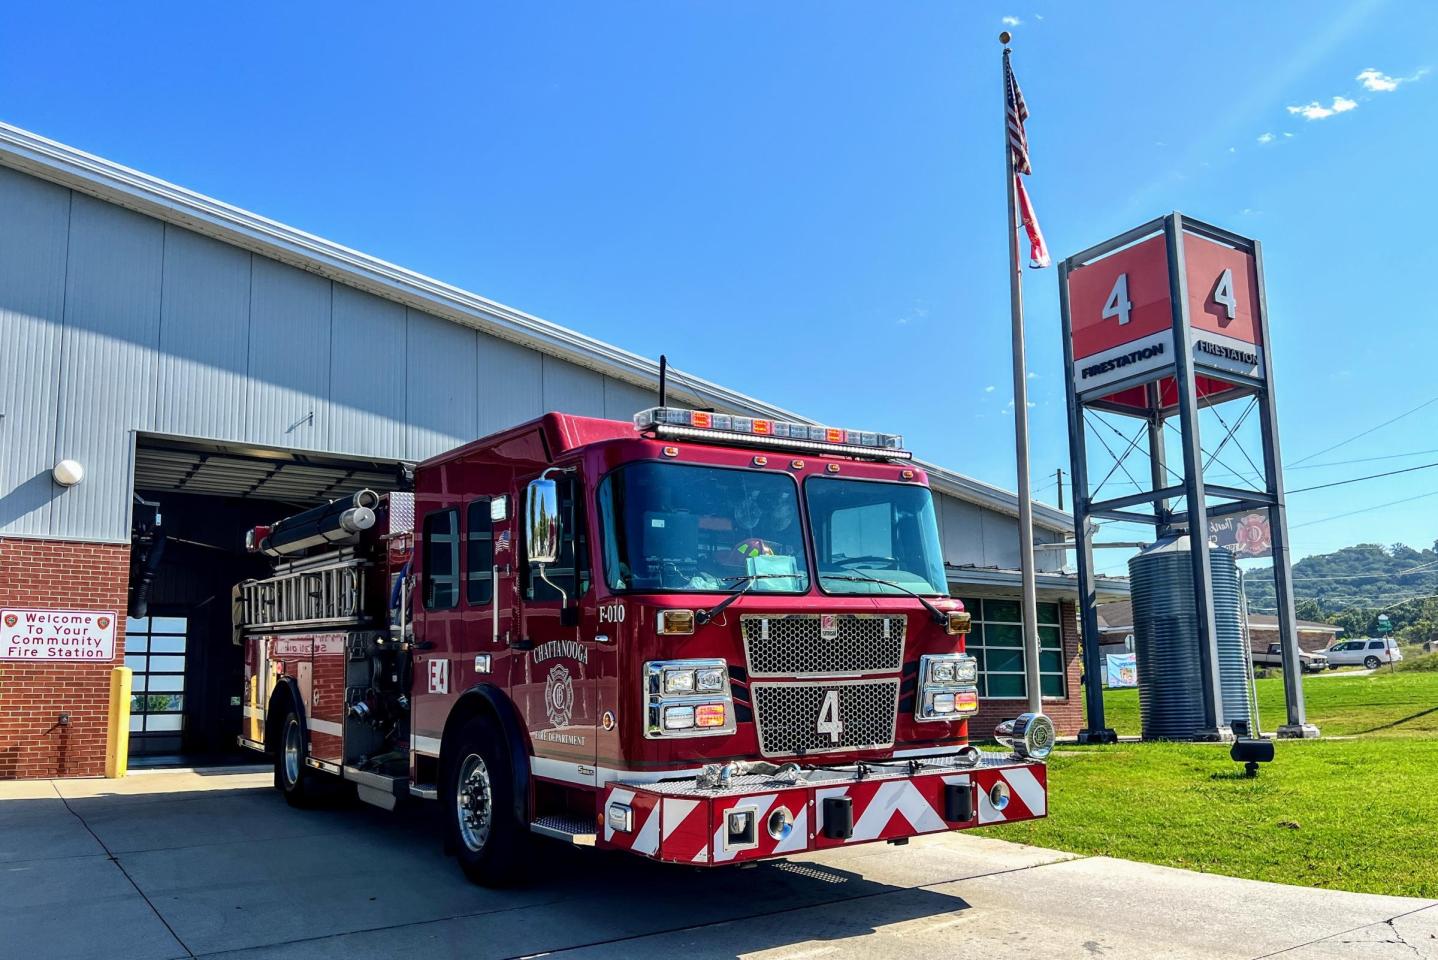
1226 352
1123 360
561 649
56 635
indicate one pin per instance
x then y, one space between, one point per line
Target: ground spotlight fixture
1251 753
67 473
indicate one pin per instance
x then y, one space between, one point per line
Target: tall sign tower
1159 322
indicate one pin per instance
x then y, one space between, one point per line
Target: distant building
1115 622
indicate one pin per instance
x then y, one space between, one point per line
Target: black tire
293 777
480 824
1372 663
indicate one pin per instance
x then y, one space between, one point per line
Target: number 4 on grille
829 722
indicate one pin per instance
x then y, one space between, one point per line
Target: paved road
185 864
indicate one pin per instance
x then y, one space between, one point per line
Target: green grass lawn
1353 814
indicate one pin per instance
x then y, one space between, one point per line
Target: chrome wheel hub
473 802
292 749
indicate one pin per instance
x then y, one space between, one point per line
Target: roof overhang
126 187
1050 586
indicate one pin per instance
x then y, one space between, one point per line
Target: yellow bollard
117 739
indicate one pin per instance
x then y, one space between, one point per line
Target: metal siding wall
204 337
442 371
623 400
961 529
289 369
1001 540
572 389
107 372
34 218
510 386
367 375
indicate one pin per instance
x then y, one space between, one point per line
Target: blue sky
805 201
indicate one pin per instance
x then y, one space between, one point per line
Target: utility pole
1060 474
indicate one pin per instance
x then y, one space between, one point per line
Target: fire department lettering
829 723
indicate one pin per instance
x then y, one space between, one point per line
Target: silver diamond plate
793 645
787 716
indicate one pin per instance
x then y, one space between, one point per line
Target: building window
997 642
441 560
479 553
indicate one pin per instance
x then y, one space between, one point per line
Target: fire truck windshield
875 538
675 527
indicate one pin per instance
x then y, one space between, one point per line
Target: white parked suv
1370 652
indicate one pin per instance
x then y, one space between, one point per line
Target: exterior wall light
67 473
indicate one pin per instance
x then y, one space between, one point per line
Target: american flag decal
502 541
1018 112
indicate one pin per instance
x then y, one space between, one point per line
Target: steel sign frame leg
1212 687
1297 727
1096 728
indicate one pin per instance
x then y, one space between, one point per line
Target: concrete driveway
203 864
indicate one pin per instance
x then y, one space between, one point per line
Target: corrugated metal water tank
1165 637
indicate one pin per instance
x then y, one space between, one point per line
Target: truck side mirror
541 511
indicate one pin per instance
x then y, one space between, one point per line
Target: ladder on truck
324 591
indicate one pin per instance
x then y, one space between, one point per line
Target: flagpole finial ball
1005 37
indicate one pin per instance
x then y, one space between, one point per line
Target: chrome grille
797 645
787 716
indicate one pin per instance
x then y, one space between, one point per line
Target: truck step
425 791
566 827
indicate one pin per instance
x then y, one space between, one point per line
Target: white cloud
1317 111
1287 135
989 388
1038 16
1376 81
1011 21
1033 375
1265 138
1232 149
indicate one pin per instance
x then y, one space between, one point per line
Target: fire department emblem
828 626
102 622
11 619
559 696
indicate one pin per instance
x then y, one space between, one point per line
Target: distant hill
1367 575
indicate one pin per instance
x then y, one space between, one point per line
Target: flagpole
1021 422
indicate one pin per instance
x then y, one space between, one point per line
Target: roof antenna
663 380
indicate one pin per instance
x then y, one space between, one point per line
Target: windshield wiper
939 616
704 616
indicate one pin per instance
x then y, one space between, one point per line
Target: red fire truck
703 639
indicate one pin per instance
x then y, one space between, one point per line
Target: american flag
503 540
1018 113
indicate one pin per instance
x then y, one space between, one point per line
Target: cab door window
440 584
571 572
478 553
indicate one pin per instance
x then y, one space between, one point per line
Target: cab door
554 672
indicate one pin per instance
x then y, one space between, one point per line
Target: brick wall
67 576
1067 714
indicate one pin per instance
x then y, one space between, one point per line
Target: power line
1369 576
1378 506
1371 476
1365 433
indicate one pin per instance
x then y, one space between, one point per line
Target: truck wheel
479 817
292 777
1372 663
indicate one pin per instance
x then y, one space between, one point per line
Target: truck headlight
688 698
946 687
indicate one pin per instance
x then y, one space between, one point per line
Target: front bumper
681 821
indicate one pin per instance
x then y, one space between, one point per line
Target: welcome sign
57 636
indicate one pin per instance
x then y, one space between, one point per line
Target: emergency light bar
781 434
